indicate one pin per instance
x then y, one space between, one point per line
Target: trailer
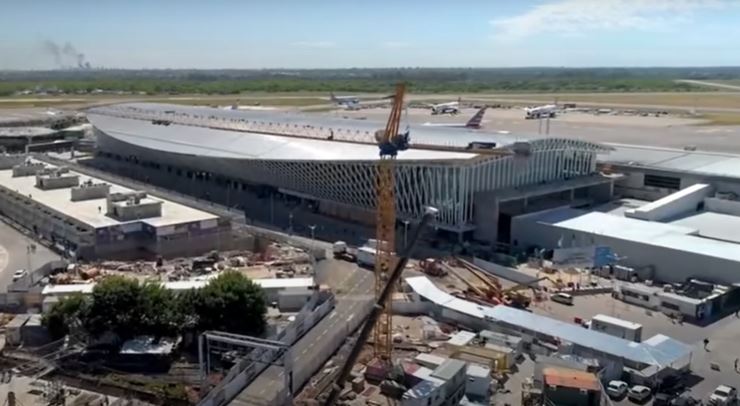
617 327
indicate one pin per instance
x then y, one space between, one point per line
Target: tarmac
663 131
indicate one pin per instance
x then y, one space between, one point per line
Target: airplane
446 108
545 111
474 123
344 100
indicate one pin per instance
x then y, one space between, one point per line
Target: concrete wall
505 272
667 265
723 206
684 201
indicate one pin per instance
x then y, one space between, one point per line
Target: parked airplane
446 108
344 100
548 110
475 122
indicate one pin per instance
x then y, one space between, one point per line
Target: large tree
67 312
116 307
232 302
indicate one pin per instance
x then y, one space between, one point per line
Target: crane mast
389 142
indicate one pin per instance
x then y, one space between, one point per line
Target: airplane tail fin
477 119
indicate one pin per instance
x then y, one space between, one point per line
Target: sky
246 34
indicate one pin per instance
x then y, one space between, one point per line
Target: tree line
123 306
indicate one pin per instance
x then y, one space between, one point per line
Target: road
710 84
14 256
354 287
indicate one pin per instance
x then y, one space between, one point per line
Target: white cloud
395 45
315 44
576 17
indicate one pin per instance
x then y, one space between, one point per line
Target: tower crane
390 141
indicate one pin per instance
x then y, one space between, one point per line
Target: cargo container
617 327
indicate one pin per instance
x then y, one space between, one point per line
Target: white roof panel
700 162
648 352
652 233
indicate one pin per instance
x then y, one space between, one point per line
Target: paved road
710 84
354 289
13 254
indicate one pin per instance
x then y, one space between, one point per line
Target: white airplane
446 108
475 122
547 110
344 100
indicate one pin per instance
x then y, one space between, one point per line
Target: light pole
312 228
405 232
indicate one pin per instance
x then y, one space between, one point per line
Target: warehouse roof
93 211
675 160
660 352
187 139
717 226
651 233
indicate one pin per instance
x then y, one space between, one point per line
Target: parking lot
723 335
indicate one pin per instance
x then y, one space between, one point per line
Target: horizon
294 35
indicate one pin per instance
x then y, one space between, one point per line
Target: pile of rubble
274 260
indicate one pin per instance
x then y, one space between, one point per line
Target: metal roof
675 160
662 351
650 233
191 137
448 369
571 378
190 140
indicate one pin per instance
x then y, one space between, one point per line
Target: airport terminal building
332 163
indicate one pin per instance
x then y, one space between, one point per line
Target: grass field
658 100
680 101
721 119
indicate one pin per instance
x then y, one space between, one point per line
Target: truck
617 327
723 395
366 256
341 251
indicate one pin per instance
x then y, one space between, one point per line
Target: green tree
64 313
160 313
116 307
232 302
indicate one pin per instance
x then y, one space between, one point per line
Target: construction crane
378 309
390 141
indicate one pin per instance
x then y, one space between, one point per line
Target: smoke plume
65 56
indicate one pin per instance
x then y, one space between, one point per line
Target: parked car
562 298
617 389
638 393
723 395
19 274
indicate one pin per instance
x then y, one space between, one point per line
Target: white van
562 298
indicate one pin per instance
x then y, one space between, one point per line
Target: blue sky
377 33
